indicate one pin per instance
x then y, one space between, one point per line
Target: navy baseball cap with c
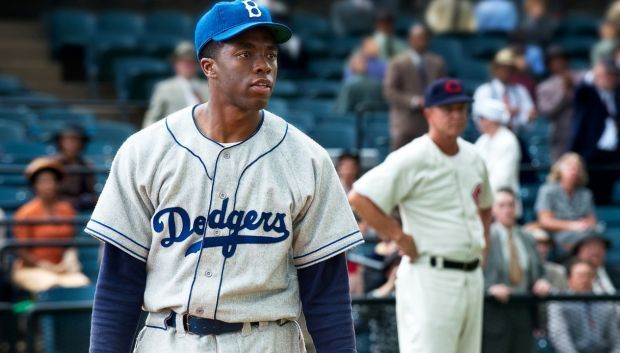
227 19
445 91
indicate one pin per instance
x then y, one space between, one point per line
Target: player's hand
407 246
500 292
541 288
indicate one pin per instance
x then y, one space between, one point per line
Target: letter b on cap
253 10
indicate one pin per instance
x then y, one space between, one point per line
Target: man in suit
594 133
406 79
593 248
512 267
583 327
180 91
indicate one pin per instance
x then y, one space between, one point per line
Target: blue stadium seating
318 107
133 73
450 49
12 198
335 135
21 115
579 25
12 131
304 121
342 47
106 48
329 69
316 47
577 47
320 88
120 22
484 47
61 117
169 23
71 27
112 132
160 46
278 106
308 25
22 152
609 214
100 149
473 69
286 89
11 86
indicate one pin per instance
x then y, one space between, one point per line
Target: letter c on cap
452 86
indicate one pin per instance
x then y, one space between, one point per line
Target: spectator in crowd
583 327
516 98
564 205
39 269
498 146
512 267
352 16
496 15
77 186
180 91
537 26
613 13
522 74
593 249
594 134
450 16
407 77
375 66
387 42
359 88
555 99
554 272
604 48
348 169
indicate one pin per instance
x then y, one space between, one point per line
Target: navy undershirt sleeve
118 302
324 292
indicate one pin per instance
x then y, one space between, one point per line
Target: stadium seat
329 69
132 74
105 49
609 214
577 47
309 25
11 86
169 23
22 115
22 152
376 130
579 25
285 89
473 69
65 332
304 121
278 106
11 198
12 131
112 132
320 88
71 27
316 47
100 149
616 194
318 107
120 22
160 46
335 135
342 47
484 47
450 49
31 99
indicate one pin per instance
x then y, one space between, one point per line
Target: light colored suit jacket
169 97
401 84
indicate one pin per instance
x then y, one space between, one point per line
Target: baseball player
223 221
442 190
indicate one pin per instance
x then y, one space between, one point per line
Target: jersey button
199 311
222 195
226 155
217 232
208 274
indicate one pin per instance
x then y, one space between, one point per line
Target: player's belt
203 326
454 265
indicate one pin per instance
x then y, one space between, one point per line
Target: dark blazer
588 123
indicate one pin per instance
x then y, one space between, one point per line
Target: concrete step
21 29
28 73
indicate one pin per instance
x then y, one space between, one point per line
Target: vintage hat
184 51
228 19
491 109
43 163
505 57
445 91
590 237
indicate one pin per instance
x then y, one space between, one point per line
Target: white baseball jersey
438 196
223 230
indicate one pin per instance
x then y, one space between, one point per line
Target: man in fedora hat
180 91
516 98
593 248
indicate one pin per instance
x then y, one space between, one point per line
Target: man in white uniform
498 146
441 188
234 220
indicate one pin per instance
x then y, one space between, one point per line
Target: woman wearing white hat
498 146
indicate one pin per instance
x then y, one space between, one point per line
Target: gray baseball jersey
223 230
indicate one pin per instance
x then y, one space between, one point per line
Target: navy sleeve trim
126 249
335 252
326 245
121 234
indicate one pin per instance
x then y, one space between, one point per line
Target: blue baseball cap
229 18
445 91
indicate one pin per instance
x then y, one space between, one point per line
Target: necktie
514 268
422 72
